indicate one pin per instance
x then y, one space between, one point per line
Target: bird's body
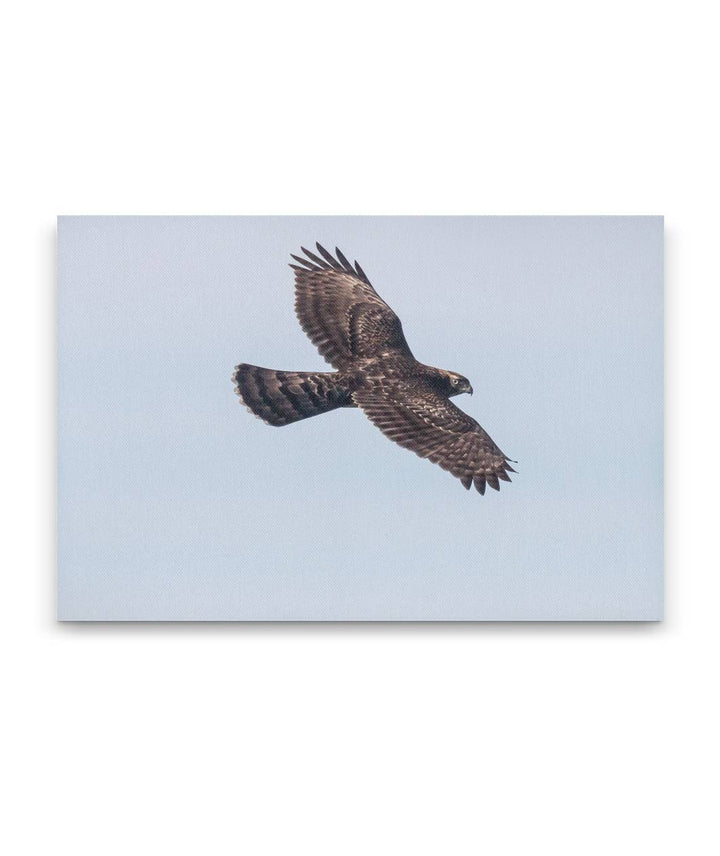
358 333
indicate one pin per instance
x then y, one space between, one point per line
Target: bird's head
458 384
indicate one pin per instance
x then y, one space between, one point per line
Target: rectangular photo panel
360 418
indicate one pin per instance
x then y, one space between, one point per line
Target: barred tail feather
280 398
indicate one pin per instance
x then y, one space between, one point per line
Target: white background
353 739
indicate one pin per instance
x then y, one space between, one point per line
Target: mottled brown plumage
360 335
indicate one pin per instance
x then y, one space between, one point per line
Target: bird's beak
470 390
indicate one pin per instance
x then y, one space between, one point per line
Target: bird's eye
455 381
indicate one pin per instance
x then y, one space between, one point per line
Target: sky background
174 503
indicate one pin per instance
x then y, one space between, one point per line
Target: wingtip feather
328 256
344 262
492 480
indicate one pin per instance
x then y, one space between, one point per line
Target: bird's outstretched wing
341 312
417 417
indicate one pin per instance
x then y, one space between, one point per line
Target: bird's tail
280 398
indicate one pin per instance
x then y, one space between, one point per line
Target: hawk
360 335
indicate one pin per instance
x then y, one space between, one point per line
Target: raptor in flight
360 335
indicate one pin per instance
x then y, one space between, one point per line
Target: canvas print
184 343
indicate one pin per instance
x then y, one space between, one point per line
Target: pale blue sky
175 503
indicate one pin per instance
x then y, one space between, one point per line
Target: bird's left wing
418 418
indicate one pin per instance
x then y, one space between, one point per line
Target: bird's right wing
341 312
420 419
